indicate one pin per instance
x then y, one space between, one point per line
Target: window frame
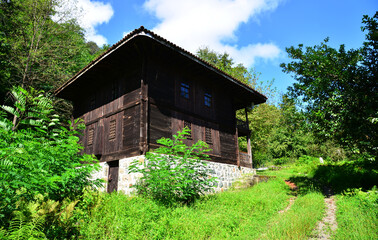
185 90
208 99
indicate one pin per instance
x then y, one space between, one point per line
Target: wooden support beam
237 147
249 148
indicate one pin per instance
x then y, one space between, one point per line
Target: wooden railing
244 160
242 126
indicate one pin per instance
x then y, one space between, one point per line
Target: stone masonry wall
226 174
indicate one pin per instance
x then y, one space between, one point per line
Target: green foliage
20 228
339 89
308 160
296 223
344 175
249 77
241 214
357 215
43 49
281 161
174 172
290 137
39 156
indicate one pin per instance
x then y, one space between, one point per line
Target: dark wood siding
169 110
160 123
228 147
131 129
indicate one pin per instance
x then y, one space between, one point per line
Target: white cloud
93 14
125 33
195 23
89 14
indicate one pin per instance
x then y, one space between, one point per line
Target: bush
308 160
281 161
38 156
175 172
261 158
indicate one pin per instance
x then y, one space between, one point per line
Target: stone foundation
226 174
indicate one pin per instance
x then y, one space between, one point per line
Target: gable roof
145 32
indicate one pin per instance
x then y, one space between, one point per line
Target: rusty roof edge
145 32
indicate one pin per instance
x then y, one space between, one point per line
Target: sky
253 32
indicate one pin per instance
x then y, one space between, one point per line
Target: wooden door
113 176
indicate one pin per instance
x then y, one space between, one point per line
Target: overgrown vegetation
230 215
175 172
38 157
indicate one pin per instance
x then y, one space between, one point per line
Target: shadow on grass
339 178
305 185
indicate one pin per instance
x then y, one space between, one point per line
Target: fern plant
38 155
20 228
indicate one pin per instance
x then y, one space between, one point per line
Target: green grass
251 213
240 214
357 215
299 221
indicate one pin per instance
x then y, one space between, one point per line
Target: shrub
38 155
261 158
308 160
175 172
281 161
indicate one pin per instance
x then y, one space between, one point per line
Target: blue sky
253 32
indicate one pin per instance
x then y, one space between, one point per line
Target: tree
249 77
339 88
291 137
41 50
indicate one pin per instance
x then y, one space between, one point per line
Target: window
208 137
184 90
207 99
112 130
90 136
189 126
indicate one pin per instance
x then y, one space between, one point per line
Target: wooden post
249 149
143 110
237 147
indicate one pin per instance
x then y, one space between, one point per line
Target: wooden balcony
243 128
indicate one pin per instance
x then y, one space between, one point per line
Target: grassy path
328 225
304 210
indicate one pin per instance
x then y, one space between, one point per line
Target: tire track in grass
293 188
328 225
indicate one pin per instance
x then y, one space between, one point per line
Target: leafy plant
174 172
281 161
20 228
38 155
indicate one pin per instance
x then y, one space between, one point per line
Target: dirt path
328 224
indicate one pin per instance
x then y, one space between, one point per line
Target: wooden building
144 88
